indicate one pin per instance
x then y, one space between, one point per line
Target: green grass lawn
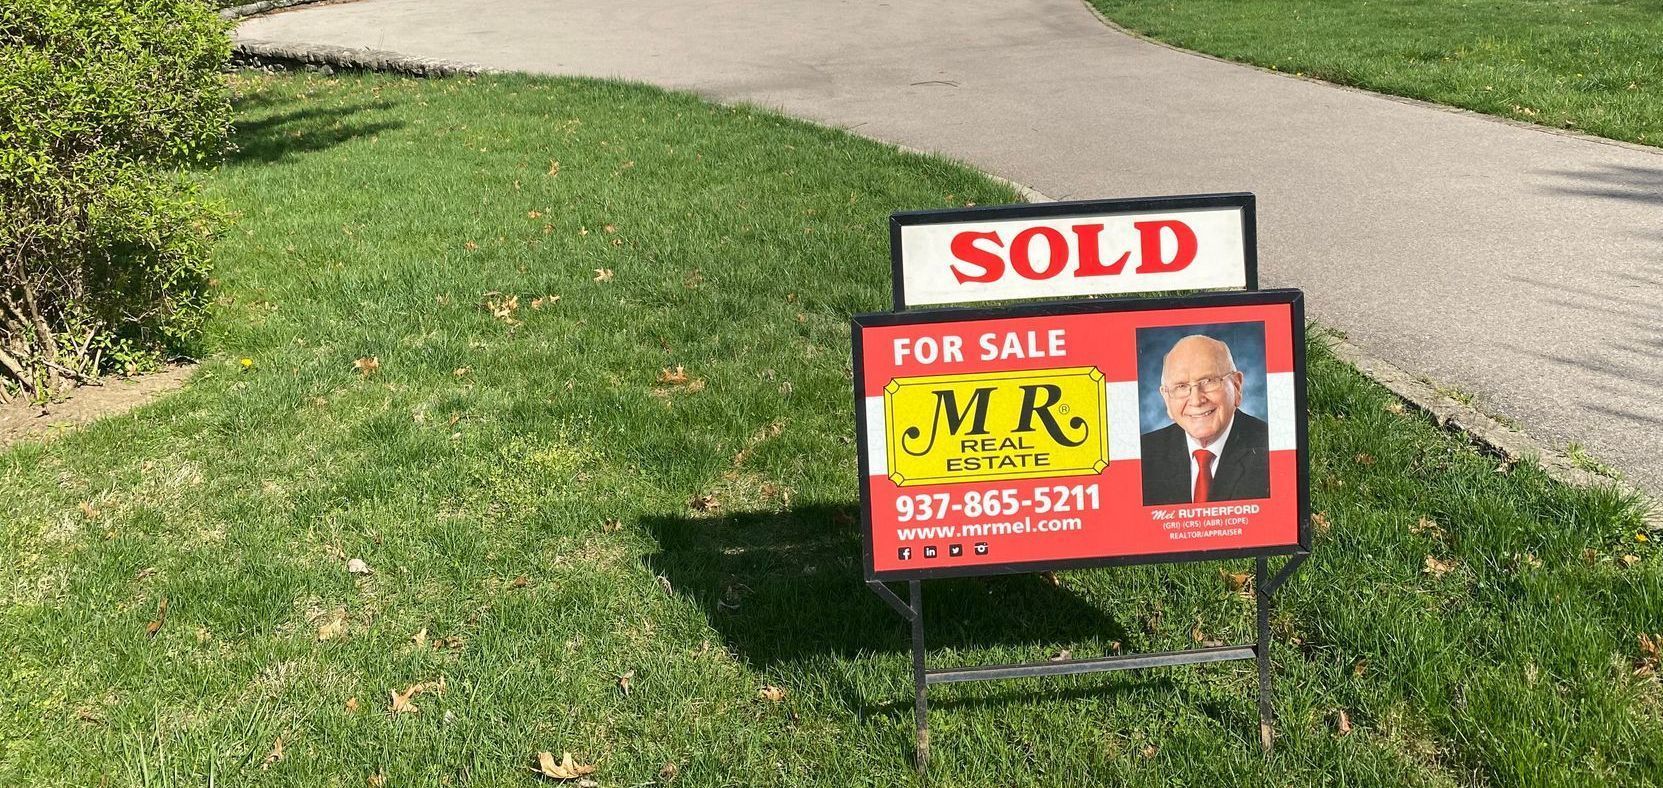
524 260
1591 65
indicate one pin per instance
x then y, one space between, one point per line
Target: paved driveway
1521 266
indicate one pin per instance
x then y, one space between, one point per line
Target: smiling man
1212 451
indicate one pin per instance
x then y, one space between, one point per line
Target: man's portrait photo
1199 388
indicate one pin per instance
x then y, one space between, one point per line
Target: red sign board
1081 433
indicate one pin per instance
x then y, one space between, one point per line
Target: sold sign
1098 247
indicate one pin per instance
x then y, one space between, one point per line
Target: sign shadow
786 587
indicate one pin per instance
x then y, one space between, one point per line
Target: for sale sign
1081 433
1098 247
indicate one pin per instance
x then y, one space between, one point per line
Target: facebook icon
905 553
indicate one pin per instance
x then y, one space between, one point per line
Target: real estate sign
1065 434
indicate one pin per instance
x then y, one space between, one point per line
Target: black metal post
1262 593
920 683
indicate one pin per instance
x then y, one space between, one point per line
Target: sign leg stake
920 682
1266 737
1265 586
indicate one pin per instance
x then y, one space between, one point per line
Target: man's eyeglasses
1208 385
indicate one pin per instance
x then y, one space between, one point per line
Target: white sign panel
1102 247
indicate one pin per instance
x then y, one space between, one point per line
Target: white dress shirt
1216 447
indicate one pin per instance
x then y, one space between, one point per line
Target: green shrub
103 239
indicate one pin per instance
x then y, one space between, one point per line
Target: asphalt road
1510 263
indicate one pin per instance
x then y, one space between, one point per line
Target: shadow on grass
304 129
786 587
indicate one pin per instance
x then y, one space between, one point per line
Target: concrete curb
1449 413
1482 429
259 54
250 9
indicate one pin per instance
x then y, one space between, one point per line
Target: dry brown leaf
548 300
669 772
1342 722
1428 526
626 681
155 626
401 700
1364 458
1319 521
88 510
275 755
377 780
1651 649
533 214
603 274
673 377
448 642
520 582
566 769
461 371
145 572
1630 560
352 705
733 596
1359 667
420 638
704 503
334 627
1235 581
357 567
1395 407
367 365
609 229
1062 656
612 525
771 693
470 246
502 307
1149 751
1435 567
554 168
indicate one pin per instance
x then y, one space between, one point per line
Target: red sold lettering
1054 242
1149 234
986 262
1091 261
992 265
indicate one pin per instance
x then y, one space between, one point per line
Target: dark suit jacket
1243 470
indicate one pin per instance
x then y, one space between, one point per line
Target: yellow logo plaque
985 426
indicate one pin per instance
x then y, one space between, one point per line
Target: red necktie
1203 475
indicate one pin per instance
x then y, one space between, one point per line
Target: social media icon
905 553
981 548
954 551
929 551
